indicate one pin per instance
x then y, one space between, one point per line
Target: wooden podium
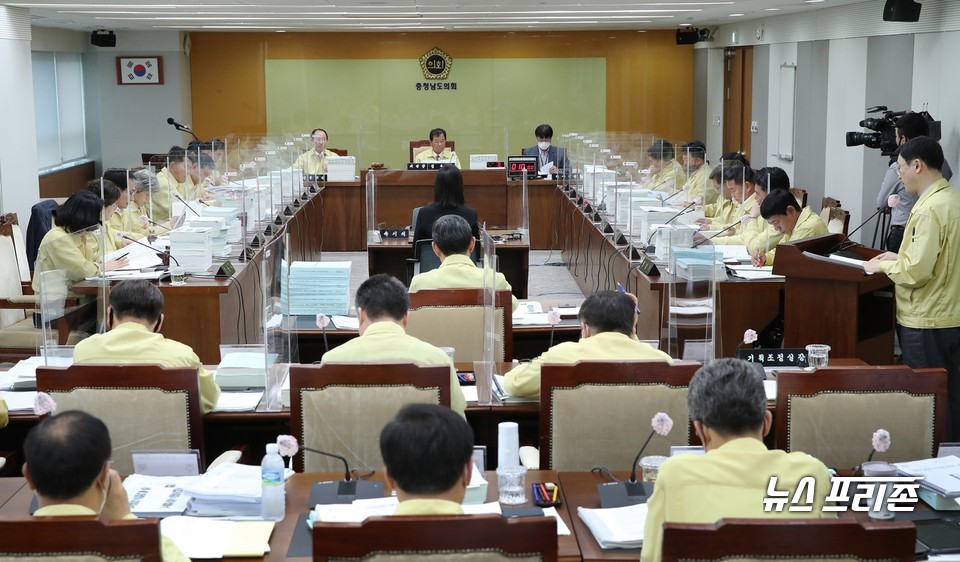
830 302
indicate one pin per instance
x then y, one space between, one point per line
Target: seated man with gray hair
728 407
453 243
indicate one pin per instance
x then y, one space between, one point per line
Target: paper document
751 272
138 257
238 401
346 322
735 252
213 538
157 496
770 387
851 262
504 396
22 401
545 169
469 393
941 475
619 527
23 375
130 274
528 307
530 319
562 529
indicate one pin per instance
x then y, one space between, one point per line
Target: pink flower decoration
661 423
288 445
881 440
749 336
553 317
323 321
43 404
893 200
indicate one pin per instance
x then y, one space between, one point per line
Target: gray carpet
549 279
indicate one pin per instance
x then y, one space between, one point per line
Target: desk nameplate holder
394 233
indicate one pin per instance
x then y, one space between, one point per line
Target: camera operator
892 193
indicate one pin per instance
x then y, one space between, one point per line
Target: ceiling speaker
103 38
901 10
687 36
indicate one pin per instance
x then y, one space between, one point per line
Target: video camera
885 127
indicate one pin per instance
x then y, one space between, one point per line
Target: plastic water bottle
272 502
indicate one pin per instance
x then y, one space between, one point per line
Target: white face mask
543 145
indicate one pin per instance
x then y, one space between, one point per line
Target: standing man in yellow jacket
926 270
453 243
780 209
607 321
134 319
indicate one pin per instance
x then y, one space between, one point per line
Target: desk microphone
672 195
179 198
344 491
156 223
721 231
621 494
651 248
839 247
181 127
156 251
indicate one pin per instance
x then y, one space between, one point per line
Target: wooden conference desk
298 493
209 311
513 260
598 263
496 200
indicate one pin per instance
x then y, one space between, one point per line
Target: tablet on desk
938 537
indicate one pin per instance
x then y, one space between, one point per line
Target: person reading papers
728 407
134 319
173 178
926 270
550 159
427 455
666 174
67 464
453 243
382 304
781 210
438 151
607 321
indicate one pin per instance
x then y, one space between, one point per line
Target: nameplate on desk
426 165
315 177
226 270
647 266
394 233
775 356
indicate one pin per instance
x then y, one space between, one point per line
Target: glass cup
650 467
450 351
512 481
883 491
178 276
818 355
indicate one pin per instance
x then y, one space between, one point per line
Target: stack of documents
341 168
192 248
157 496
238 401
231 220
504 396
940 486
226 490
23 375
618 527
699 264
318 287
218 232
244 369
138 257
19 401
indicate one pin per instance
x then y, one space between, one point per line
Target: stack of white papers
23 375
192 248
318 287
218 232
749 271
138 257
157 496
619 527
228 489
346 322
19 401
244 369
942 475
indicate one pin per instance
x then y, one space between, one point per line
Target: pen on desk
555 490
121 256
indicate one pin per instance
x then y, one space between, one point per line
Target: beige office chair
598 413
145 407
342 407
454 318
790 539
79 539
833 412
423 145
836 219
19 338
491 538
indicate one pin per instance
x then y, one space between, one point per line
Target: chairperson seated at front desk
448 199
438 151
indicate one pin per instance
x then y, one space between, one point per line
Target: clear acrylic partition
373 233
63 261
691 311
485 370
279 336
524 223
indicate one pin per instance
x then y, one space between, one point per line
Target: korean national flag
140 71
